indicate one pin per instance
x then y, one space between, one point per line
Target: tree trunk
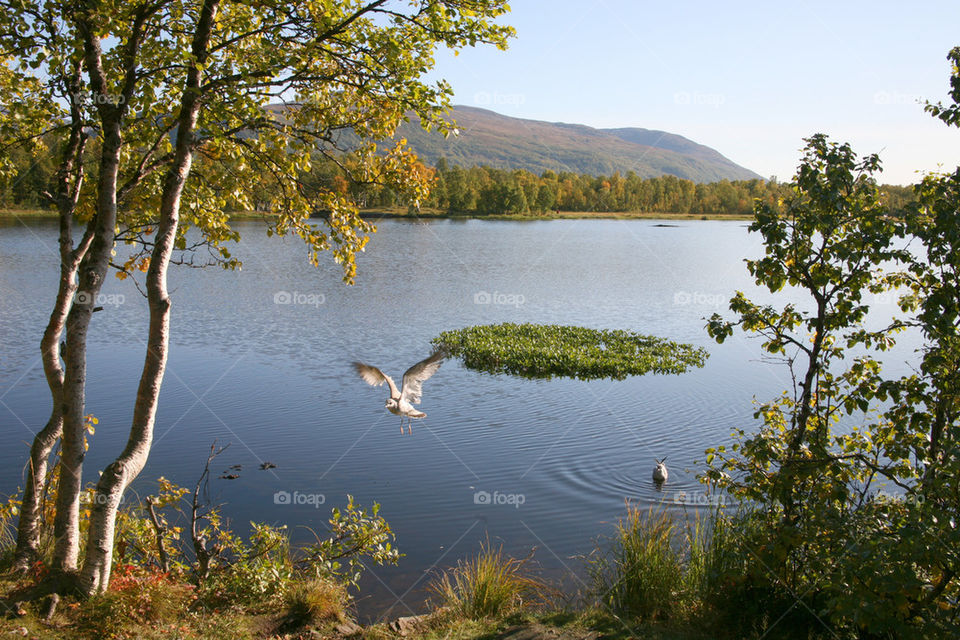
791 469
95 576
814 367
92 272
69 181
28 529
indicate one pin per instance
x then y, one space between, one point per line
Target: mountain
495 140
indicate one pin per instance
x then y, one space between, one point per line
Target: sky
749 79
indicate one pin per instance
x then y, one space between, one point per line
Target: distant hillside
488 138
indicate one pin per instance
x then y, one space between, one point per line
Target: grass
121 614
156 612
640 576
8 529
654 570
659 573
489 585
313 603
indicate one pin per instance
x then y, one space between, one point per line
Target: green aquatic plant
545 351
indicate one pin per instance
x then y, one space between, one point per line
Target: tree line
483 190
486 190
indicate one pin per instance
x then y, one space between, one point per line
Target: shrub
136 535
255 572
136 598
730 581
354 533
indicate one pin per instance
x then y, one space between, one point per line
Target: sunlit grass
488 585
314 602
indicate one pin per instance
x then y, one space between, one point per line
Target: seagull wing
415 375
375 377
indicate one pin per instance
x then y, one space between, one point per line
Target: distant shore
28 213
555 215
13 214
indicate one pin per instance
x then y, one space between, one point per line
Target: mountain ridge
493 139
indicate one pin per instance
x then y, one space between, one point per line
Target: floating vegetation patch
545 351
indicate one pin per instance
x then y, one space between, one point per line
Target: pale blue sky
750 79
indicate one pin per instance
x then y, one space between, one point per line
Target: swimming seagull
660 472
401 402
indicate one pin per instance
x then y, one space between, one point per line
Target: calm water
274 381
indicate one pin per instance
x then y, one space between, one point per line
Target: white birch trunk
95 575
69 181
92 272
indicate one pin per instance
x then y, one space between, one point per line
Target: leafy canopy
544 351
281 85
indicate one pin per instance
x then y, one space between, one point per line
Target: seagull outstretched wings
401 400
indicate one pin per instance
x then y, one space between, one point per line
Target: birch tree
31 116
176 98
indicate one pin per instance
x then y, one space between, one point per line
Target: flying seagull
401 401
660 472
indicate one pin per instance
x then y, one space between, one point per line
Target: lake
261 359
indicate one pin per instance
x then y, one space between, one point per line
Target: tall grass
488 585
656 566
9 510
735 579
639 574
714 553
313 602
7 531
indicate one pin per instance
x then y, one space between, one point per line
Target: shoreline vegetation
551 215
436 214
485 192
264 588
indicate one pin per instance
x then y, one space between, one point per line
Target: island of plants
545 351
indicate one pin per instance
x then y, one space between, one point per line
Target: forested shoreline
490 191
